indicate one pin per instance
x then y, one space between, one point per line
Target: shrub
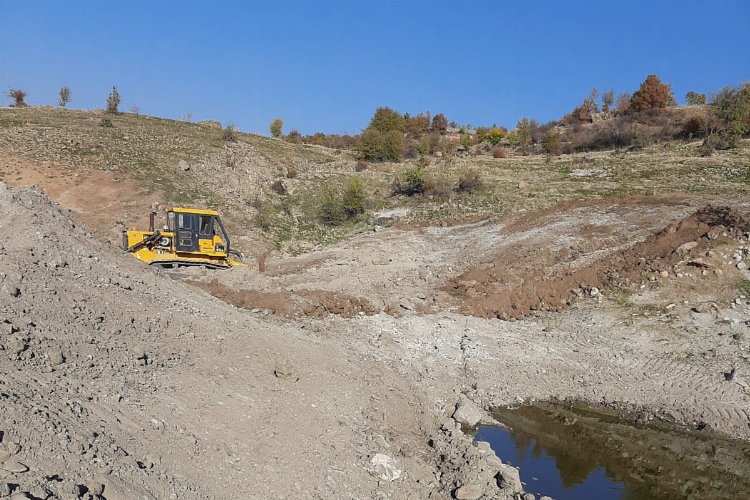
440 123
393 144
438 187
410 182
608 99
294 137
499 152
469 181
417 126
106 123
113 101
652 94
266 215
551 142
279 188
64 96
495 135
331 209
276 127
291 173
361 166
525 130
230 133
732 107
353 199
694 126
694 98
371 145
18 97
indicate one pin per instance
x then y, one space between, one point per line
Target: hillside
270 190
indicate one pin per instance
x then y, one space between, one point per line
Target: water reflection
583 452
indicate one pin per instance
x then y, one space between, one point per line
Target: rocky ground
118 381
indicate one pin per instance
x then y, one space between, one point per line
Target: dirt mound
524 279
312 303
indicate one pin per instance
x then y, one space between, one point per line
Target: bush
331 208
410 182
291 173
353 199
106 123
608 99
361 166
469 181
266 215
294 137
525 130
440 123
499 152
551 142
652 95
495 135
113 101
732 107
64 96
230 133
694 126
18 97
276 127
694 98
279 188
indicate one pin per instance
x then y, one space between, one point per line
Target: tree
732 106
18 96
276 127
64 96
623 103
385 119
652 95
608 99
371 144
694 98
525 130
113 101
440 123
393 145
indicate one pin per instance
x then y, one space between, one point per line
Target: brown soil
312 303
527 278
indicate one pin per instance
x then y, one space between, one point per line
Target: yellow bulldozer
190 237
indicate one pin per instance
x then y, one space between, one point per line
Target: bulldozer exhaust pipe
151 223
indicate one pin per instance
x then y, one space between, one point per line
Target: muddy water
580 452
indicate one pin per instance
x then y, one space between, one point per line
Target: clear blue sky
326 65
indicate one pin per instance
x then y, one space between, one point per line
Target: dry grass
237 178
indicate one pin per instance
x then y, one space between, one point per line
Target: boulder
467 413
385 467
469 492
509 479
686 247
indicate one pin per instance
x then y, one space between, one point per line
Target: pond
585 452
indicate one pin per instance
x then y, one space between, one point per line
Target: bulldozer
190 237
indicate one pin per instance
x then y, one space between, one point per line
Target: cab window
205 228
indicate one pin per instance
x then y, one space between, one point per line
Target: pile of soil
311 303
522 280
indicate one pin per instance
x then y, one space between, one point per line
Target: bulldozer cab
197 231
